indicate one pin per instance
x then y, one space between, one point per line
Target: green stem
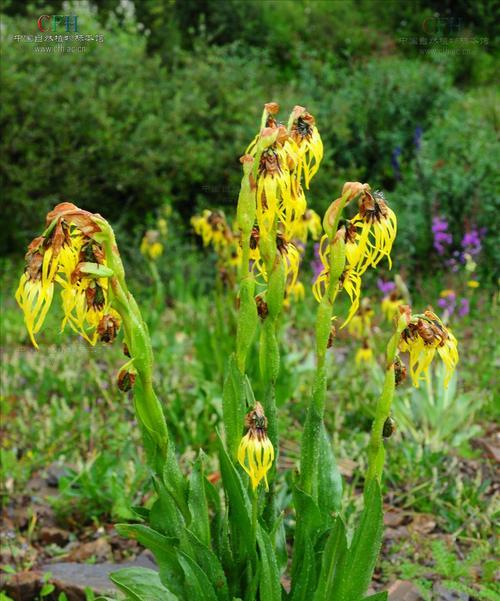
376 450
316 407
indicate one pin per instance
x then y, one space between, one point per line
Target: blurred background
144 121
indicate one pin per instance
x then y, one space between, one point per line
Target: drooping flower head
256 452
368 237
424 335
376 224
67 254
305 134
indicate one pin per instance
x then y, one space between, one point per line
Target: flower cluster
67 254
368 236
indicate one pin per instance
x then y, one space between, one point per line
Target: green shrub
453 176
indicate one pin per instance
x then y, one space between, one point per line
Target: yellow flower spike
425 335
256 452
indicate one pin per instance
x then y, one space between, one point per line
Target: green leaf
233 405
329 478
332 565
239 507
141 584
304 583
197 503
97 270
210 564
269 581
197 583
310 523
365 547
165 515
377 597
163 549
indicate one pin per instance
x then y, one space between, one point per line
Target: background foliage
163 108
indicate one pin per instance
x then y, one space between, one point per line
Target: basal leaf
141 584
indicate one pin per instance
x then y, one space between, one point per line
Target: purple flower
417 137
396 153
316 264
471 242
385 287
448 302
464 308
442 238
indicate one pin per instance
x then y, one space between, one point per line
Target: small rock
422 523
396 533
403 590
445 594
22 586
73 578
393 518
53 535
99 549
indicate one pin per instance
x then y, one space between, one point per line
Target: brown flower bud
262 308
353 189
272 107
126 352
399 371
126 380
108 328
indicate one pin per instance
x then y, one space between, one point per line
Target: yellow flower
305 134
36 286
376 227
309 223
256 452
151 247
289 255
360 324
273 186
213 229
473 284
425 335
364 355
390 306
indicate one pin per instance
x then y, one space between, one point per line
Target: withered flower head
108 328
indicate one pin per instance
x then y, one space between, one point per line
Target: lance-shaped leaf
163 549
141 584
197 502
269 581
233 405
329 478
238 506
365 546
334 556
198 586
